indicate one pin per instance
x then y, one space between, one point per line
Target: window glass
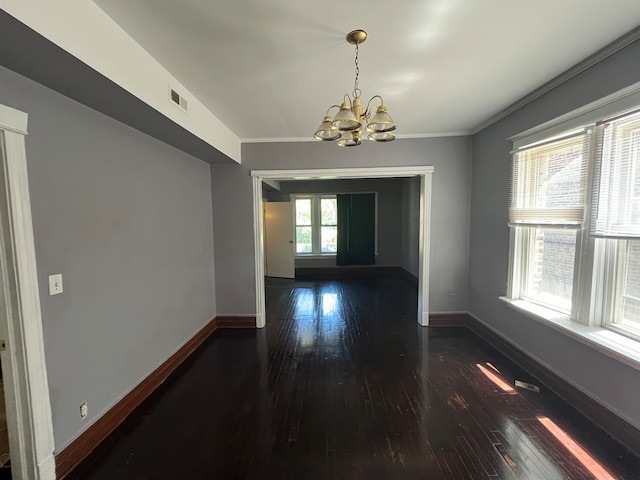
329 232
329 239
329 210
550 273
616 205
303 211
551 176
630 315
304 231
303 240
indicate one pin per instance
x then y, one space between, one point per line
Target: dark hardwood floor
343 384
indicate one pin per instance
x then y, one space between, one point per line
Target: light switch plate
55 284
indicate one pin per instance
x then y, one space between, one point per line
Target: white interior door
279 246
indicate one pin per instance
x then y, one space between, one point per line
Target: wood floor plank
342 384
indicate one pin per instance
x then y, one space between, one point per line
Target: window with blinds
549 182
546 209
616 193
615 219
574 217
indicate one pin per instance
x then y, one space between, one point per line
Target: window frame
599 264
521 241
316 224
322 225
318 213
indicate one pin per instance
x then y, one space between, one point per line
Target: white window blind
616 196
548 183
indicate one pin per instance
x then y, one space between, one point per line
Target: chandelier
346 127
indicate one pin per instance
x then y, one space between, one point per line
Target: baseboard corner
446 319
82 446
236 321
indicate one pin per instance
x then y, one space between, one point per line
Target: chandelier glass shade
346 128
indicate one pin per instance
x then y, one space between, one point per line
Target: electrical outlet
84 410
55 284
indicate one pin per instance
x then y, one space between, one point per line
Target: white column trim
424 249
258 241
26 388
425 173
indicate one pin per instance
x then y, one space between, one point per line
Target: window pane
329 239
617 198
548 184
633 205
631 292
563 175
303 212
303 240
550 272
635 162
552 175
329 212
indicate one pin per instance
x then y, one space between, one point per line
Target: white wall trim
425 173
605 341
23 362
424 249
333 173
613 104
577 69
258 242
13 120
460 133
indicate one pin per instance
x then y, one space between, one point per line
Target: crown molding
615 46
311 139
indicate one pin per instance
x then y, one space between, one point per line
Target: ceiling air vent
177 99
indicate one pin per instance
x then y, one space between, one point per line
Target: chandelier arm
367 112
332 106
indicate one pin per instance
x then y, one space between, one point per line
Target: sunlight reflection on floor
319 316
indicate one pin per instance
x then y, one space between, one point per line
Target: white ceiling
270 69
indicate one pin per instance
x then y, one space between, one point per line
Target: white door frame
23 361
425 173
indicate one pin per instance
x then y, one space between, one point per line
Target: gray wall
127 221
608 381
410 220
389 226
232 197
233 212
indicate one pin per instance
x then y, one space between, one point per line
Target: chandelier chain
356 86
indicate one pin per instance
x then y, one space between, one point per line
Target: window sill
314 255
615 345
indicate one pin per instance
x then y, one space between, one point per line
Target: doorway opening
424 173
